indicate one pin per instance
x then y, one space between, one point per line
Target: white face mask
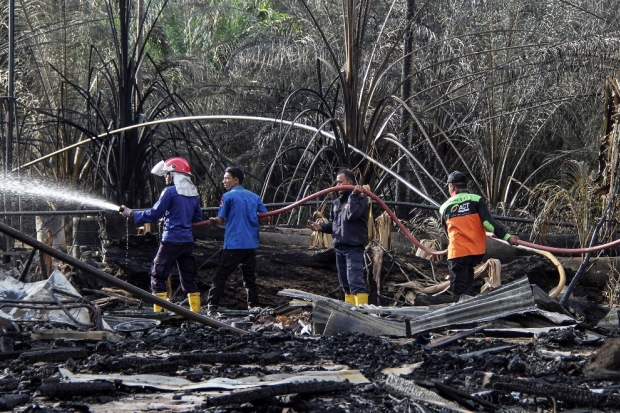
183 184
159 169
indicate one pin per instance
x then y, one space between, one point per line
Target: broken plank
464 398
567 393
52 334
442 341
492 350
409 389
253 395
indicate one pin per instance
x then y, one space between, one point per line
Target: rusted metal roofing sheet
513 298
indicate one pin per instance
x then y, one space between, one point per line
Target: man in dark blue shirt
179 206
239 209
348 225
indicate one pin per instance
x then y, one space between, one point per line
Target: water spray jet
51 190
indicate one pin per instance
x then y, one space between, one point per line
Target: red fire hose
572 251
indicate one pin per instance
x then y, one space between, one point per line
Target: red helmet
172 165
177 165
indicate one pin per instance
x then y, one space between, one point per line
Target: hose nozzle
121 209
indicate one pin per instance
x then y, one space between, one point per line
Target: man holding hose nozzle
465 218
179 206
349 228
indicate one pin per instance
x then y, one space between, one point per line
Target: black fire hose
135 291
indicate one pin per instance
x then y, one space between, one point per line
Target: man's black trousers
229 260
461 273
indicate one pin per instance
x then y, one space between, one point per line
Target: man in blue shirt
239 209
179 206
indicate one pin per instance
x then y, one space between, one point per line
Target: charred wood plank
408 388
428 300
212 358
374 282
26 268
570 394
9 401
8 384
442 341
6 344
492 350
137 361
68 390
464 398
56 354
266 392
10 355
161 367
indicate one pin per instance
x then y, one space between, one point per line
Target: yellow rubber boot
194 302
163 296
349 299
361 298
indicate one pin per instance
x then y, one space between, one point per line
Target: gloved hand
126 212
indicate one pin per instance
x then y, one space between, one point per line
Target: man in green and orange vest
465 218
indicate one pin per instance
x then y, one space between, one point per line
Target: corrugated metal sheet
290 292
409 312
513 298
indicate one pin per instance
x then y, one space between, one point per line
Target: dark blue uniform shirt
178 211
349 221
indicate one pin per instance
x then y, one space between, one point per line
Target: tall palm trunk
407 93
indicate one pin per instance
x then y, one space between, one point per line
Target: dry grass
570 200
612 288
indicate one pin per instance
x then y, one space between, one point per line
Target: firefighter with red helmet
178 206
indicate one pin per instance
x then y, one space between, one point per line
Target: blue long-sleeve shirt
240 208
178 211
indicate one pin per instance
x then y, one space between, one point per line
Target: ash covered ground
556 370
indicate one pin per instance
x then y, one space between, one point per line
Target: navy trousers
350 266
229 261
169 254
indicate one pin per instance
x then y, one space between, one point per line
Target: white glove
126 212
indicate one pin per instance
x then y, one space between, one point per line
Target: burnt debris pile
185 366
510 348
